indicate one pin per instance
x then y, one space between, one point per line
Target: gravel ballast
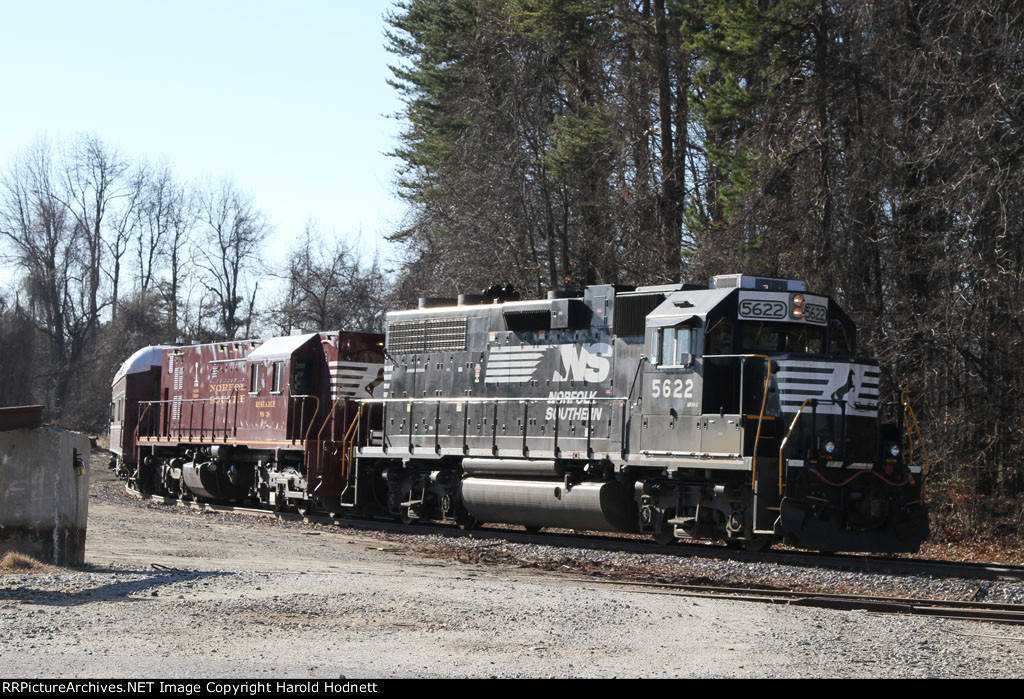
170 593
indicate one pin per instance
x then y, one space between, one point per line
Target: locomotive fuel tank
608 506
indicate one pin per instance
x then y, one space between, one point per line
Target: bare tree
49 246
233 233
92 178
17 348
328 288
165 220
124 223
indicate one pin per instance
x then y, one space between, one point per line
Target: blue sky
288 99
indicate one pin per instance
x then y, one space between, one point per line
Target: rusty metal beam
21 417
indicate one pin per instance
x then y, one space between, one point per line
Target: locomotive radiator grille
431 335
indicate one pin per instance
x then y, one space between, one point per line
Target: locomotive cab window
675 346
254 378
302 377
277 377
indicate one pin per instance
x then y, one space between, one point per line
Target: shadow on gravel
141 586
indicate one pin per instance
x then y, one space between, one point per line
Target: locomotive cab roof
280 347
681 306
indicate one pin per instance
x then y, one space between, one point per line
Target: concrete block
44 494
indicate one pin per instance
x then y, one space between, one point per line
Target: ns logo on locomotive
738 411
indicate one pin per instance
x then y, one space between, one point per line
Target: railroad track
627 544
947 609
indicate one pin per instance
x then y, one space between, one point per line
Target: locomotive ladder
349 473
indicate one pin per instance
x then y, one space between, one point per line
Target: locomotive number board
766 305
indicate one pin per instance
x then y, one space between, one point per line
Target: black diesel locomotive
738 411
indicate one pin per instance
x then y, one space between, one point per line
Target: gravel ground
169 593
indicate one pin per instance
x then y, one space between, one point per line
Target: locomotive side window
676 346
254 378
302 379
277 377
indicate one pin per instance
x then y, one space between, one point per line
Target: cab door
671 393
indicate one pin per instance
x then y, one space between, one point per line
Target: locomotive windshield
767 337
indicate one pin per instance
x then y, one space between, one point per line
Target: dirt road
173 594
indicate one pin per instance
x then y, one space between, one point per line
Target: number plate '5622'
774 310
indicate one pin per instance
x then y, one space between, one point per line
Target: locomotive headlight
894 450
830 447
796 302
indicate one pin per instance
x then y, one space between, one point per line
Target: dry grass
18 563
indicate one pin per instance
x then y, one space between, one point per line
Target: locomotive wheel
667 533
664 537
756 544
465 521
333 505
303 507
533 529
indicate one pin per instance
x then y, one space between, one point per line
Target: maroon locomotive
263 421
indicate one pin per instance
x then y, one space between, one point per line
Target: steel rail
924 606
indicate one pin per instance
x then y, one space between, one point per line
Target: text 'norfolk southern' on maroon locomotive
739 412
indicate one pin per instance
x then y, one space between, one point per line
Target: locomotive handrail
320 434
785 439
191 428
589 401
214 400
316 409
348 442
467 399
